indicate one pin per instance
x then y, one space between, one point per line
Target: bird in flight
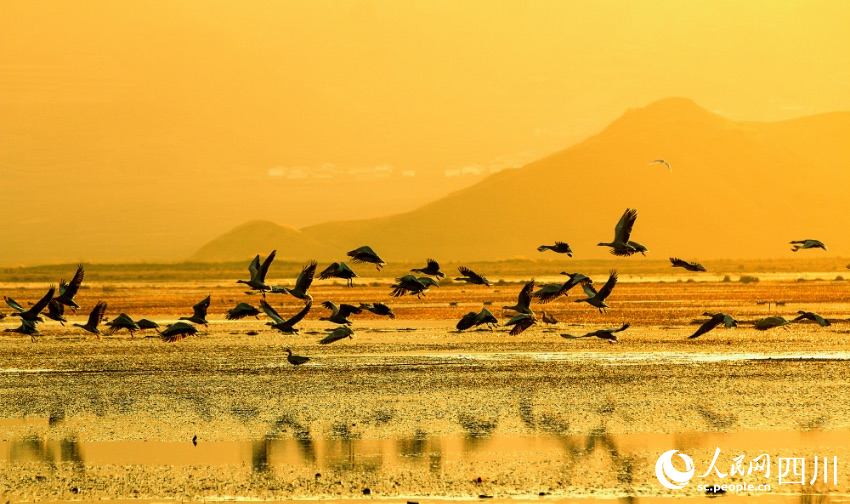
559 247
606 334
661 161
807 244
690 266
471 277
595 298
432 269
715 320
285 326
258 273
621 246
814 317
365 254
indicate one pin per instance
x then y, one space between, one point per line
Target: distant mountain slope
738 189
261 237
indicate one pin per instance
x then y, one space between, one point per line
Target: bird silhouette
620 245
715 320
200 312
339 270
432 269
551 292
285 326
770 322
559 247
595 298
258 273
378 309
31 315
814 317
471 277
690 266
177 331
56 311
67 291
123 321
27 328
339 314
549 319
807 244
606 334
337 334
523 304
241 311
365 254
295 360
521 322
408 284
95 317
661 161
303 283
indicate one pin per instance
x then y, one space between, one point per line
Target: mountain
737 189
261 237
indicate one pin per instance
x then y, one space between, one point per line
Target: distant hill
737 189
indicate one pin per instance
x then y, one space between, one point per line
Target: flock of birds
53 306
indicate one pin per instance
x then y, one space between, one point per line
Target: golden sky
134 105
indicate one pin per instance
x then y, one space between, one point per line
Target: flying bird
55 311
814 317
378 309
285 326
339 314
95 318
523 304
558 247
258 273
177 331
521 322
337 334
200 313
295 360
31 315
147 324
471 277
123 321
67 291
241 311
27 328
304 281
661 161
551 292
428 282
339 270
690 266
432 269
770 322
715 320
606 334
621 246
473 319
595 298
366 255
807 244
408 284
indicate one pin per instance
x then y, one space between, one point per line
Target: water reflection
34 449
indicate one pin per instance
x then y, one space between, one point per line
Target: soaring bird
177 331
67 291
200 315
295 360
471 277
551 292
521 322
473 319
258 273
31 315
814 317
690 266
123 321
523 304
95 317
147 324
241 311
770 322
339 270
302 284
378 309
56 311
365 254
660 161
595 298
432 269
606 334
621 246
337 334
715 320
408 284
807 244
548 319
285 326
26 327
559 247
339 314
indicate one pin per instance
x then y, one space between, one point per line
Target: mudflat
411 407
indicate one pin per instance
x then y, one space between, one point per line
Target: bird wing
821 321
254 267
300 315
14 304
606 289
729 321
471 274
72 287
346 309
42 303
305 279
55 309
337 334
521 326
332 307
623 229
329 272
678 262
433 265
261 276
548 293
383 309
708 325
239 311
200 309
626 325
271 312
570 336
467 321
589 289
524 299
96 315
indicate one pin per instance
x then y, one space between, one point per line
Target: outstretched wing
42 303
271 312
710 324
524 298
678 262
70 289
471 274
14 304
305 279
200 309
623 229
570 336
332 307
300 315
626 325
329 272
346 309
261 275
589 289
96 315
254 267
606 289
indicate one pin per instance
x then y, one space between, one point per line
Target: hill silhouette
737 189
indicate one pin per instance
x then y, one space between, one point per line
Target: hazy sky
142 107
